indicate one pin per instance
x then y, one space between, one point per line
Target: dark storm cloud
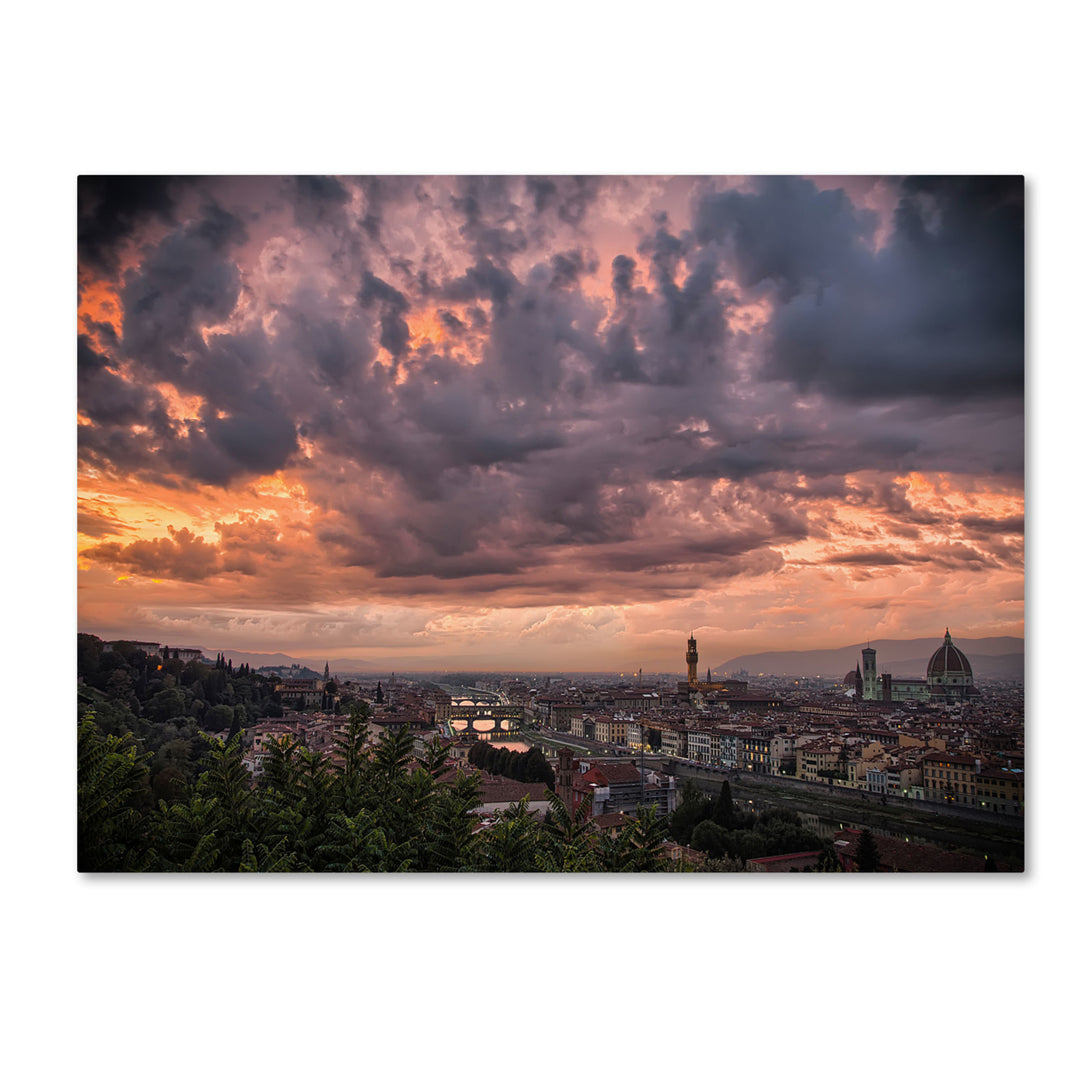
317 199
937 313
452 323
623 361
789 442
955 556
107 399
340 346
256 441
569 197
787 232
683 329
186 281
111 208
870 558
105 331
452 567
491 222
981 525
568 267
483 281
394 336
623 270
87 359
542 190
555 420
91 522
381 194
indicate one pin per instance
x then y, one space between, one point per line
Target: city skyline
550 423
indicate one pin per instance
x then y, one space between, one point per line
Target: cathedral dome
948 661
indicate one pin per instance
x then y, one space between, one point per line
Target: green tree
513 842
649 833
165 705
112 791
88 656
828 861
218 718
357 844
186 835
478 753
714 840
294 805
639 848
262 859
451 840
566 846
226 787
867 857
725 807
352 742
693 808
538 769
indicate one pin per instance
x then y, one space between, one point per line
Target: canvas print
523 524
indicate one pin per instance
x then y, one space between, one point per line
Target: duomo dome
949 672
948 661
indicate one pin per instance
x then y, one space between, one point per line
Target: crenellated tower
691 660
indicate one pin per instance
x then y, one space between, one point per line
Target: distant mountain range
991 658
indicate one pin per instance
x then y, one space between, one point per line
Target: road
934 824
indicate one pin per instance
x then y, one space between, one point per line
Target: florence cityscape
612 523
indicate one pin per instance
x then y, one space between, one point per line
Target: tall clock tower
691 660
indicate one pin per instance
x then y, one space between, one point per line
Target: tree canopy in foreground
377 809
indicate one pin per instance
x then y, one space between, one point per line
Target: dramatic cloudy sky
549 423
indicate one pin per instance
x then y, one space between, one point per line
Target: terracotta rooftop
618 772
500 789
900 856
610 821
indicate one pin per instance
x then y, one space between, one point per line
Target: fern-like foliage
112 786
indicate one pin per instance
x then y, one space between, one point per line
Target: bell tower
871 688
565 777
691 660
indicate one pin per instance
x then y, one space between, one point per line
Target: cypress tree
867 858
725 810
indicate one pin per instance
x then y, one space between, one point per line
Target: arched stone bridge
503 718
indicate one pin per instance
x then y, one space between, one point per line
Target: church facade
949 679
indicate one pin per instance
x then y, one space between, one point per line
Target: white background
163 978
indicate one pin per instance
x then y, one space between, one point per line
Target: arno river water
510 743
473 695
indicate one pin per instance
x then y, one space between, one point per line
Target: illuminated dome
948 660
949 673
